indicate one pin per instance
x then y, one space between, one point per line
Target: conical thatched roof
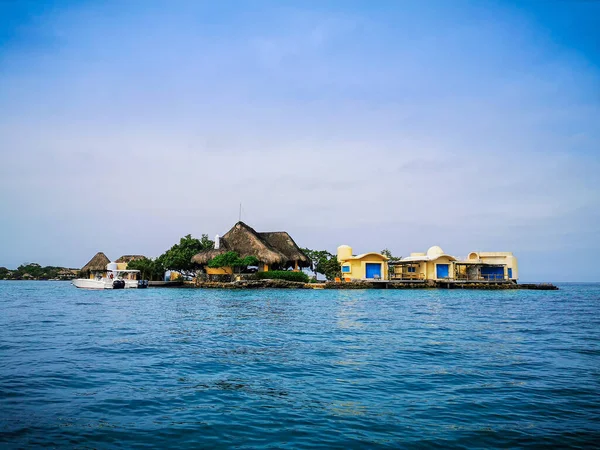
129 258
270 248
98 262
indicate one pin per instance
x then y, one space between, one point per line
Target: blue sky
466 124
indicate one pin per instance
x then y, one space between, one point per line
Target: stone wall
252 284
206 282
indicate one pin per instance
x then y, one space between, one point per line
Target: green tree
324 263
232 259
386 252
35 271
206 242
32 269
4 272
314 256
150 269
179 257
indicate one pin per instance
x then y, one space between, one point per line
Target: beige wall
432 271
428 270
499 258
358 267
420 270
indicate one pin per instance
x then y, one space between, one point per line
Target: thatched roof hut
97 263
274 248
128 258
284 243
67 272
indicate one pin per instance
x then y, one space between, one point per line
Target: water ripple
297 369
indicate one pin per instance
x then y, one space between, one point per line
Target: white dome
435 252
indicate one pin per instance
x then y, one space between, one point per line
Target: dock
439 284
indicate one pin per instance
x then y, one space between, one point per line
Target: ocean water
190 368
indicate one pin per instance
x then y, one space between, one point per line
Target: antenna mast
240 218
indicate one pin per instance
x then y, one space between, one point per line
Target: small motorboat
112 278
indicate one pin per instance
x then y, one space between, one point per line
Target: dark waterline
298 369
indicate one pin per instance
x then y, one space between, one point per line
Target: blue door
492 273
509 272
442 270
373 269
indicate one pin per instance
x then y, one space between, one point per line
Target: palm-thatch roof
129 258
65 271
97 263
284 243
276 248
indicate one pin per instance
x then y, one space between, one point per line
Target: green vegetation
150 269
388 254
34 271
179 257
287 275
232 259
324 263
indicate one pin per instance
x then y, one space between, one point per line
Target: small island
246 259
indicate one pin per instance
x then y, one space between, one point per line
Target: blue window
346 269
412 269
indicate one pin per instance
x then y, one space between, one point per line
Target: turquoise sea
191 368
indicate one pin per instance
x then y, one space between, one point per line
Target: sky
472 125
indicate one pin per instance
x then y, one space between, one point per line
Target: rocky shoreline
282 284
249 284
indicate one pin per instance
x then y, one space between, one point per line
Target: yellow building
490 266
368 266
432 265
124 260
437 265
123 263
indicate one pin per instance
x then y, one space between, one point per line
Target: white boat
112 278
